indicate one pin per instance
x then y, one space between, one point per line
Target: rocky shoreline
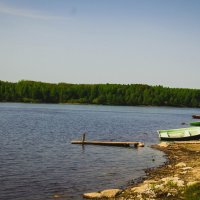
179 178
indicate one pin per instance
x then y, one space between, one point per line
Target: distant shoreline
98 94
144 106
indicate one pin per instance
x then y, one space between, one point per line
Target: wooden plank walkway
109 143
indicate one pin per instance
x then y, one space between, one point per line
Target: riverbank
179 178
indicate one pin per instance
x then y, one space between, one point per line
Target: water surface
38 162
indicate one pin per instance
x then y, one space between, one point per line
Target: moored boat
196 116
195 123
182 134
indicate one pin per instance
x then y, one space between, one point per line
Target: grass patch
192 192
171 184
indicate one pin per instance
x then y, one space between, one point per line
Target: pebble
181 164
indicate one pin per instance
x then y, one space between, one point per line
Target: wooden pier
107 143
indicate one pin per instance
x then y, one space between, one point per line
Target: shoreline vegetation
178 178
99 94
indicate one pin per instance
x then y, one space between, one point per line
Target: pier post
83 138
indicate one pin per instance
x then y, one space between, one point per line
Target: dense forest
106 94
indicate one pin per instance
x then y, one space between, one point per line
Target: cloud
5 9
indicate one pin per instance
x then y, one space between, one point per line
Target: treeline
106 94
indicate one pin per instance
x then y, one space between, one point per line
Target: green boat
195 123
182 134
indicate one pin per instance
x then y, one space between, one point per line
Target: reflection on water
38 161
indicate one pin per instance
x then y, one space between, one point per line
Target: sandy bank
179 178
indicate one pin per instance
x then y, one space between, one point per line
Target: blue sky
155 42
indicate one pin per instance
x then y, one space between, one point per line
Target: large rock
173 180
140 189
163 144
111 193
181 164
186 168
92 195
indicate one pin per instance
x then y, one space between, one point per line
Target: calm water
38 162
